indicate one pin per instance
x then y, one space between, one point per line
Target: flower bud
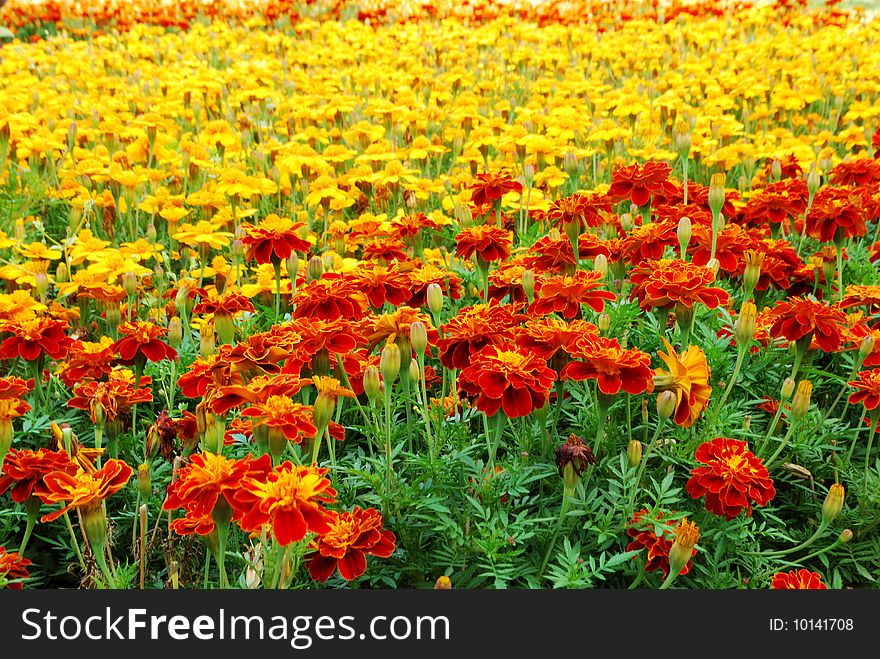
686 536
801 402
604 322
94 524
371 382
315 268
714 265
329 262
42 282
434 298
207 345
776 170
389 363
752 272
684 234
414 373
787 388
322 411
634 452
666 403
600 264
151 232
845 536
292 265
833 503
745 324
182 297
129 283
813 180
681 139
175 332
225 326
443 583
626 222
418 337
866 347
113 315
716 192
143 481
62 273
528 284
646 415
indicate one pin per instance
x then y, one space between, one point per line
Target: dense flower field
439 294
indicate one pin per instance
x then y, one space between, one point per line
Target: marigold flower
330 297
382 284
549 336
686 536
488 187
649 242
688 378
209 476
88 360
565 294
293 420
274 239
24 470
34 338
290 498
258 390
733 480
797 318
507 377
106 400
13 568
836 213
867 387
638 182
572 459
140 342
352 536
614 368
800 579
489 242
643 531
82 489
665 283
472 329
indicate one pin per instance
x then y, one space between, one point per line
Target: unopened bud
175 332
776 170
322 411
684 234
745 323
418 337
151 232
434 298
833 503
528 284
714 265
626 222
292 266
129 283
371 382
666 403
813 180
207 345
62 273
845 536
788 386
752 272
315 268
801 401
604 322
634 452
42 282
681 139
389 363
414 373
144 482
716 192
866 347
600 264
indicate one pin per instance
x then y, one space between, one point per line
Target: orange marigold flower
473 328
426 274
391 327
330 387
556 255
13 568
82 489
88 360
330 297
649 241
24 470
801 579
733 480
506 280
386 251
565 294
688 378
487 241
549 336
13 388
352 536
508 378
291 499
312 336
802 318
382 284
643 531
190 524
867 385
275 239
731 244
777 202
836 213
258 390
861 296
859 171
293 420
260 352
140 342
638 182
209 476
602 359
489 187
208 375
584 209
110 398
34 338
227 303
665 283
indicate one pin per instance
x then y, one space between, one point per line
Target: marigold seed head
833 503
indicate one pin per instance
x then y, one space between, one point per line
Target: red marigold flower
584 209
293 420
649 241
487 241
731 244
13 388
82 489
506 280
508 378
191 524
473 328
836 213
31 339
688 378
208 375
733 480
261 352
25 469
549 336
110 398
777 202
275 239
643 531
394 326
226 304
798 318
352 536
565 294
489 187
867 385
385 251
330 297
861 296
665 283
860 171
382 284
425 274
638 182
140 342
801 579
257 390
207 477
88 360
13 568
290 498
602 359
310 337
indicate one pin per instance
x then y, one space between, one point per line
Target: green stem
75 542
739 362
644 462
868 451
806 543
98 550
782 444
